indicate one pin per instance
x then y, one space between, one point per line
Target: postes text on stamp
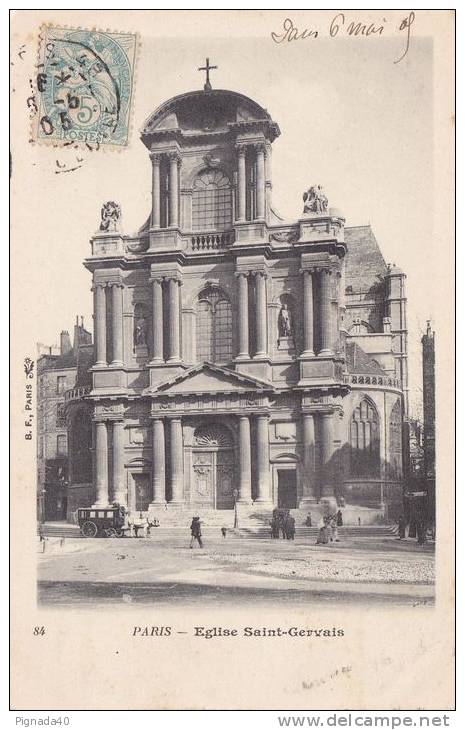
85 85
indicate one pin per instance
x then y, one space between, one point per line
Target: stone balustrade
77 393
211 241
374 380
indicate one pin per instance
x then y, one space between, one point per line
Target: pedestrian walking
308 521
322 538
274 527
401 527
196 532
223 531
339 518
290 527
334 535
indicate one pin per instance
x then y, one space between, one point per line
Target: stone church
238 357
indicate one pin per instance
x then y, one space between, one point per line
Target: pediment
210 379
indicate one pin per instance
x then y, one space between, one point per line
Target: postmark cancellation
85 86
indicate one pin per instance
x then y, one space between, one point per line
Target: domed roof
202 112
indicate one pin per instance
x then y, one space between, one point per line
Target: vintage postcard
232 258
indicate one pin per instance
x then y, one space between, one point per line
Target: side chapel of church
238 357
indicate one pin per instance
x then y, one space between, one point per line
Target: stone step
256 531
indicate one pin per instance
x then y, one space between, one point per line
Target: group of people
282 523
416 528
328 528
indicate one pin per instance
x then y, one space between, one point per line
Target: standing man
196 532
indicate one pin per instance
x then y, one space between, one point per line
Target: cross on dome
207 68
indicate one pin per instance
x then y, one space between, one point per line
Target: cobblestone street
134 571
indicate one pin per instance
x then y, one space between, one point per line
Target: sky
351 120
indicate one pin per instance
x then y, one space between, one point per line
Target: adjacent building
57 369
238 357
429 419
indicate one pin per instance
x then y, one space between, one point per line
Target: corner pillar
177 454
117 324
263 460
245 463
158 462
243 286
119 489
101 464
326 311
157 320
100 320
156 198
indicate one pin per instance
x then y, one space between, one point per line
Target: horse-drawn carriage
105 522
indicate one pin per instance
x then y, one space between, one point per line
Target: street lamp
236 522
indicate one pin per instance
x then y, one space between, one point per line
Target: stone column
117 323
157 320
263 460
119 489
177 454
260 314
101 463
156 203
325 304
100 323
327 448
243 286
174 349
174 189
260 151
245 485
308 314
158 461
241 182
308 447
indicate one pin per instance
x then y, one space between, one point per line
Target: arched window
364 441
211 202
214 326
395 441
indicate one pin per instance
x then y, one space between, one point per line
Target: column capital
156 157
260 148
157 278
117 284
242 273
174 277
99 285
241 148
174 156
260 272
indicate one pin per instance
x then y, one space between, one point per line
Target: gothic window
395 441
211 202
364 441
214 327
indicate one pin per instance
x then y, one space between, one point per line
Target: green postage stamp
85 86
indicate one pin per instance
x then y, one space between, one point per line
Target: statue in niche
315 200
110 217
140 329
285 327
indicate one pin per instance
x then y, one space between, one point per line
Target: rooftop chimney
65 342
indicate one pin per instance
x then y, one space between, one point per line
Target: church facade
238 358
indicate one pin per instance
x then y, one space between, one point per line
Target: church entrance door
287 488
213 466
142 491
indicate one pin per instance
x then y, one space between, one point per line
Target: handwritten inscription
341 25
